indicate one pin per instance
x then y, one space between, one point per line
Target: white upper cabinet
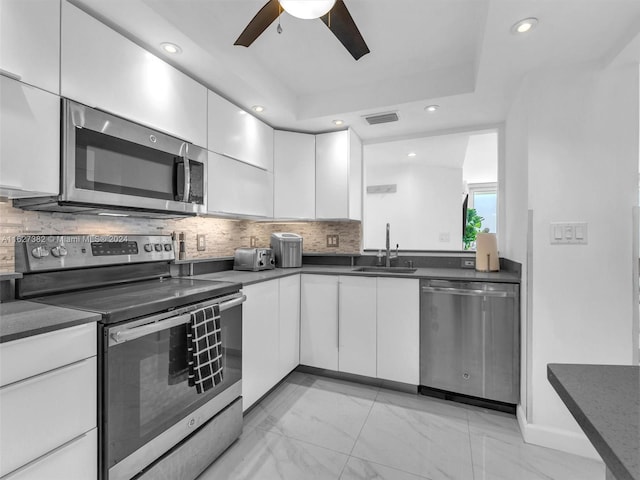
103 69
237 189
294 166
237 134
29 140
30 42
339 176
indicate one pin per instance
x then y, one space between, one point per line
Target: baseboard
564 440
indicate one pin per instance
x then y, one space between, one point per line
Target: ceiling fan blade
259 23
341 23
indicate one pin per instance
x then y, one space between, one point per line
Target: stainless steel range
152 423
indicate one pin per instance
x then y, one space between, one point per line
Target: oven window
147 389
109 164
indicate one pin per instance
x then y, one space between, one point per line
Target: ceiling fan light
307 9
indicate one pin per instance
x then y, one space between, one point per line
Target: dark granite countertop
248 278
22 319
9 276
605 401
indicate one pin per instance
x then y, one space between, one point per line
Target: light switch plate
568 233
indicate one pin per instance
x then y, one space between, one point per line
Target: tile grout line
349 456
473 467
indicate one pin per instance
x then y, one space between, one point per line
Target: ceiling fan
337 18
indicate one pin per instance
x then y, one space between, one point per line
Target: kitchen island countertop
605 401
465 274
22 319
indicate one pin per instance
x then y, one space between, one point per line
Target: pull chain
279 29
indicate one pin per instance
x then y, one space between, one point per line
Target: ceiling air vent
382 118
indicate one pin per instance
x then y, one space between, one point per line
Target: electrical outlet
253 241
202 242
468 263
333 240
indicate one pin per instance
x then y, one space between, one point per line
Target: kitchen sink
385 269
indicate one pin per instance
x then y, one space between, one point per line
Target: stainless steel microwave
110 164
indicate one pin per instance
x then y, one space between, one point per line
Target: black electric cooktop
126 301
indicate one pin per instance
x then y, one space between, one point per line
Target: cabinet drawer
77 459
43 412
40 353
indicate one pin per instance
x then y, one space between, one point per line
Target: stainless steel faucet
387 262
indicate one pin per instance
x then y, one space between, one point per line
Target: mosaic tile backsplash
223 236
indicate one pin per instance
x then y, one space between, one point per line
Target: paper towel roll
487 253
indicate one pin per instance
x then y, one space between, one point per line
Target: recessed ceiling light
338 122
525 25
258 108
432 108
171 47
411 154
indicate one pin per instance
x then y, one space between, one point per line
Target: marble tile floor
313 427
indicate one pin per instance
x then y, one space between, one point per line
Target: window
483 197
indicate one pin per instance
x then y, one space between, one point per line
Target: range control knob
148 247
59 251
158 247
40 252
167 247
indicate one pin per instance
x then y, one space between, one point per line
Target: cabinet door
398 302
332 175
43 412
29 140
29 356
355 176
236 188
237 134
103 69
319 321
260 339
357 334
30 42
75 460
289 324
294 175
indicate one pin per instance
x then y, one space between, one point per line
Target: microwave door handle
187 172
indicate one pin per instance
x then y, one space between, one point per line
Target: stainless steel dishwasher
470 342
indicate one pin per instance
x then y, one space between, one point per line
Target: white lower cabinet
260 339
270 338
319 321
74 460
398 343
357 325
289 313
338 323
47 410
363 325
29 140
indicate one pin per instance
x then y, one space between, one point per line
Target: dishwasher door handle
469 292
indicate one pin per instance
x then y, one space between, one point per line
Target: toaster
253 259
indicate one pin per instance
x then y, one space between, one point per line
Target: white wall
428 202
576 130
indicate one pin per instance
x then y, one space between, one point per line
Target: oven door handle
128 334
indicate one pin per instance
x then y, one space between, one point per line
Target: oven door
110 161
147 405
